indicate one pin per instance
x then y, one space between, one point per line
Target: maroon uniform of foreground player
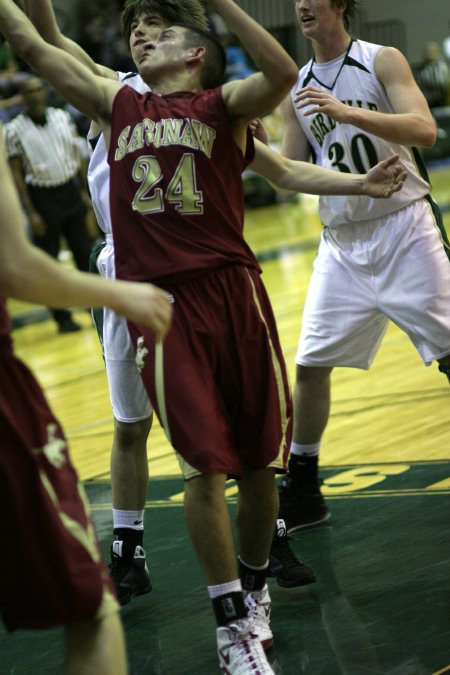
51 572
221 391
55 573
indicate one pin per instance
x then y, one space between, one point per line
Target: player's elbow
289 76
429 136
425 130
11 278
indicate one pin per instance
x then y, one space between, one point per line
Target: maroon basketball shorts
51 570
219 383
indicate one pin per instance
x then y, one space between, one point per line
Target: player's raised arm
260 93
42 15
91 94
26 273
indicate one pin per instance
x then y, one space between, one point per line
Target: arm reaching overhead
289 175
91 94
26 273
42 15
260 93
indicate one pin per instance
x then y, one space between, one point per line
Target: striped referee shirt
434 80
50 153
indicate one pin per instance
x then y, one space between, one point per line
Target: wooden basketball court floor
381 602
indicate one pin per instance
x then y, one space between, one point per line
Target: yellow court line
444 670
168 502
386 493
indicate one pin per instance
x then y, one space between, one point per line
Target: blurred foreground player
52 573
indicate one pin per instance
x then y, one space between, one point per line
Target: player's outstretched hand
385 178
147 305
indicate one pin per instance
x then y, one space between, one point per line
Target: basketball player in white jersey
141 20
355 103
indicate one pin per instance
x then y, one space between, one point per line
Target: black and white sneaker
301 505
284 565
301 501
129 571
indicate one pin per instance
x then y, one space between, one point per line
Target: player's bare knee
130 434
312 375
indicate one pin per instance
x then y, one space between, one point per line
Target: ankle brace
229 607
252 579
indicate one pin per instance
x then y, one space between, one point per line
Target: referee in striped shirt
44 153
433 76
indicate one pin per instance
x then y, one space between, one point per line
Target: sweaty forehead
173 30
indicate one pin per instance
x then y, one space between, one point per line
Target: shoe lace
117 565
282 552
255 604
249 653
244 652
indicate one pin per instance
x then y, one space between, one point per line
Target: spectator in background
237 66
433 76
10 105
11 101
446 47
8 64
45 157
102 38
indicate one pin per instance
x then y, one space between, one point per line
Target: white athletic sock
308 449
224 589
131 519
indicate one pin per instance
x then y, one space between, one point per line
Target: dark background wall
406 24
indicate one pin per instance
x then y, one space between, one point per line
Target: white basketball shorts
369 273
129 399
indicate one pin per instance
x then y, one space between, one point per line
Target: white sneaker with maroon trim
240 651
259 605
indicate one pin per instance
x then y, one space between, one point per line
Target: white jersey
98 170
129 399
343 147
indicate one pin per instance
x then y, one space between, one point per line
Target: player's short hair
215 58
175 12
349 12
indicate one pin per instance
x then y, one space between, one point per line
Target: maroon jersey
52 573
177 205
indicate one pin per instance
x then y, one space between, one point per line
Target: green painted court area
381 604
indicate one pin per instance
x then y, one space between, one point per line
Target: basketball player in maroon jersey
52 572
227 409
